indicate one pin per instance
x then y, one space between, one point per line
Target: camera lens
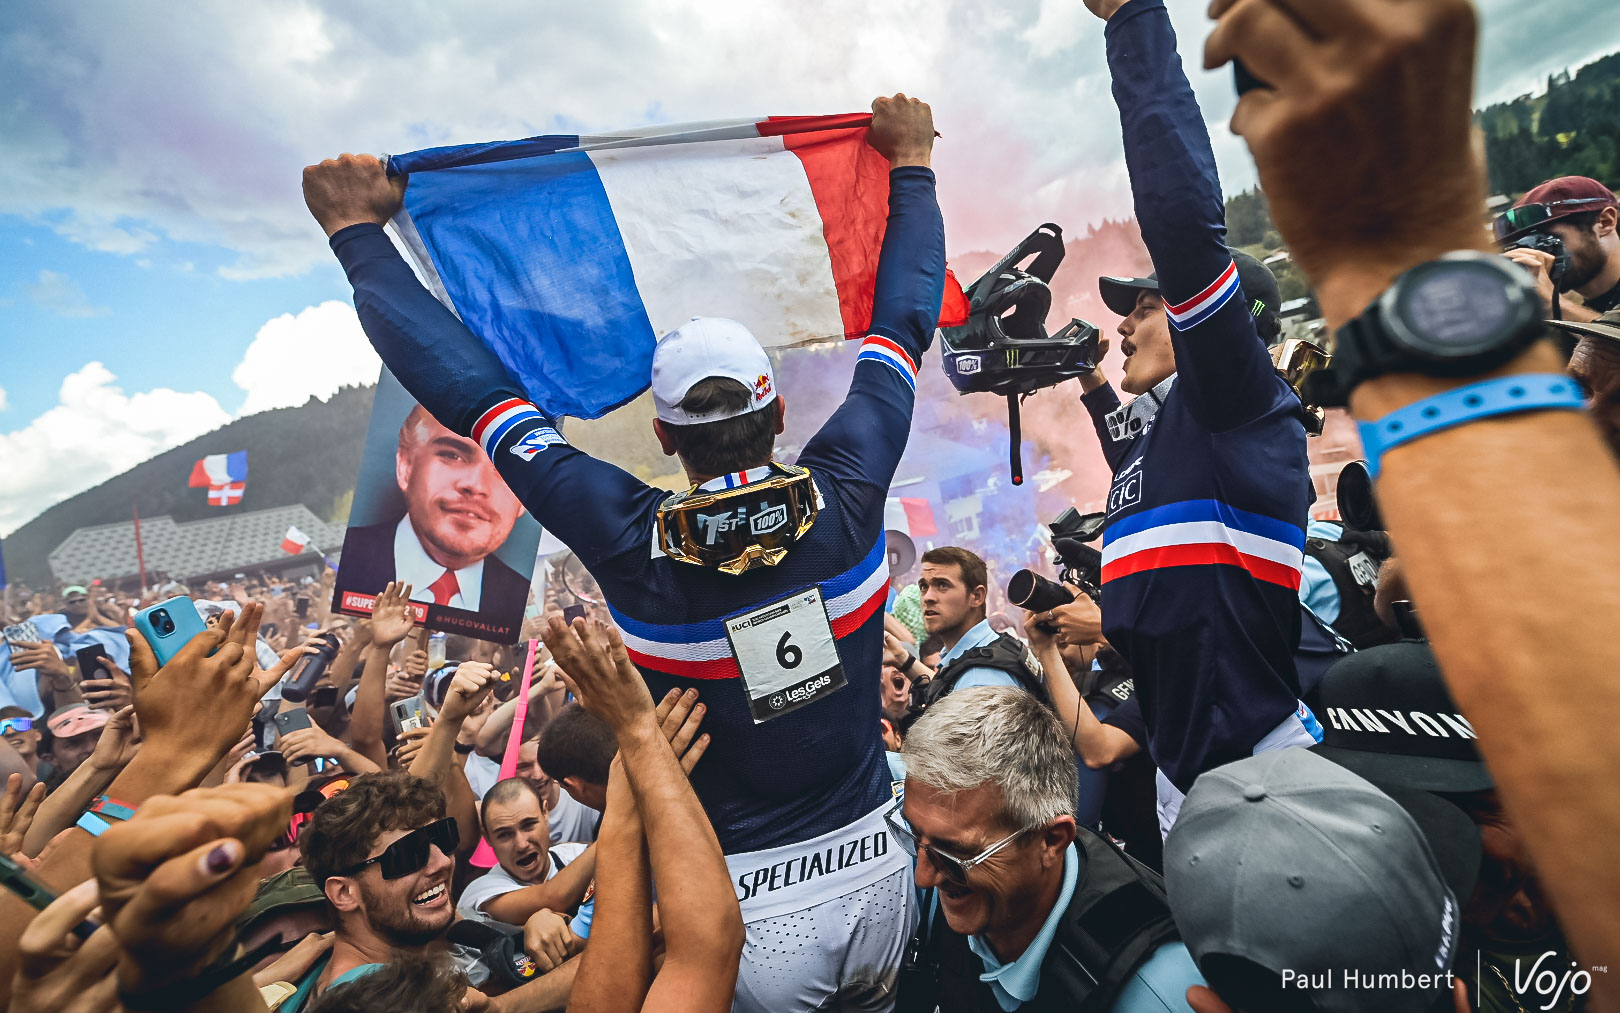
162 623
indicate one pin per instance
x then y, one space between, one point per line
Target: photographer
1206 516
1580 216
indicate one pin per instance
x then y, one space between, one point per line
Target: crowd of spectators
1146 799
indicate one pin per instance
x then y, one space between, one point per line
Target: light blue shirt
1158 986
1316 588
979 636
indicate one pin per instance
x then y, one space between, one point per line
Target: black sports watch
1461 315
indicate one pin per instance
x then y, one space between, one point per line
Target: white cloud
62 295
312 354
122 129
94 432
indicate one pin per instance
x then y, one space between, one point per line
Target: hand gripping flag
223 475
570 255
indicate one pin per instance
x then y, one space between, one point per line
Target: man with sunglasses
1582 214
1027 907
383 852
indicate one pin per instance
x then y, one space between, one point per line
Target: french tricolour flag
569 255
219 469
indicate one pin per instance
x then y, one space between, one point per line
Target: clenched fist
351 189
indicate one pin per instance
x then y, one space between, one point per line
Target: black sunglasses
410 853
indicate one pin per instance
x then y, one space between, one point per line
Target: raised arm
697 902
865 437
1222 365
1371 101
458 379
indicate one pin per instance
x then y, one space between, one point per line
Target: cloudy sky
159 274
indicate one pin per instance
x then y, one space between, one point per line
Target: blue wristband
1520 393
93 824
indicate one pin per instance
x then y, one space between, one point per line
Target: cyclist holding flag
762 587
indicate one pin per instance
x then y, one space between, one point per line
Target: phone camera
162 623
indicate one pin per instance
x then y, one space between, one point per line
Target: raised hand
391 616
1371 101
410 743
902 130
679 714
118 743
350 190
17 809
597 669
309 743
469 685
175 877
110 689
197 705
56 972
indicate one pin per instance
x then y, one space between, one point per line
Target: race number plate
1363 569
787 654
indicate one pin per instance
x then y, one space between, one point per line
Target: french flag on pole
294 541
223 475
910 516
569 255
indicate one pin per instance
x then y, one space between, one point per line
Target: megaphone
902 552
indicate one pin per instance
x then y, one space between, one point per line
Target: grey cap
1292 863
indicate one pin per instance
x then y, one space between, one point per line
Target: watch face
1458 308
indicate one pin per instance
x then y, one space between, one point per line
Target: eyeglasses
410 853
1523 219
9 725
952 868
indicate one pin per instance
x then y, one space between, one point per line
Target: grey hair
997 735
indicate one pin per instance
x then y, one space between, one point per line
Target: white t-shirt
482 773
572 820
497 882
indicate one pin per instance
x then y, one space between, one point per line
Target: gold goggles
1295 359
736 530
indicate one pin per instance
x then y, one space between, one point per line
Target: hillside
1573 129
303 455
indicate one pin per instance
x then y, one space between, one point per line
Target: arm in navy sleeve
596 509
1099 403
1222 365
865 437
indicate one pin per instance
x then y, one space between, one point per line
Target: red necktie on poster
484 856
445 588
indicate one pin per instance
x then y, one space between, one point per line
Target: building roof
233 541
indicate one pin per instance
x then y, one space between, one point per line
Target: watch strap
1502 396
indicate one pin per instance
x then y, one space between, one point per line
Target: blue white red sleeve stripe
1202 533
1202 306
877 348
702 650
499 420
568 255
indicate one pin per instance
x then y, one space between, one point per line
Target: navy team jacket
808 771
1209 501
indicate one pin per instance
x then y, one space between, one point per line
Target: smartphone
14 878
23 633
291 720
301 606
406 714
169 625
90 661
572 612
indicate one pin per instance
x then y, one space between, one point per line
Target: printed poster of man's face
431 510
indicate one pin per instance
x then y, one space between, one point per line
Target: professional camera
1081 567
1004 347
1546 243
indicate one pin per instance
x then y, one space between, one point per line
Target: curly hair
342 831
405 986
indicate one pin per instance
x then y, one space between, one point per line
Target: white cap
699 349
